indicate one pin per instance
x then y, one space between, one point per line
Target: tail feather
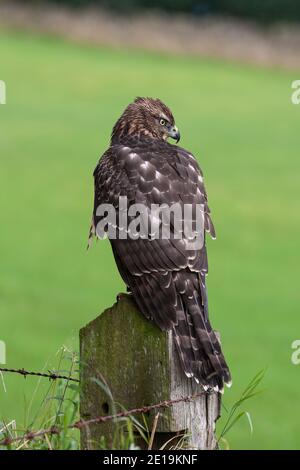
177 301
197 344
186 343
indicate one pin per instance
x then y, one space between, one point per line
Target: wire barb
51 375
55 430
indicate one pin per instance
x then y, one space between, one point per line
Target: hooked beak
174 134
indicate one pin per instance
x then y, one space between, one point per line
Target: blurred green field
62 100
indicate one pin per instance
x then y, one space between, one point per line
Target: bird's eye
162 122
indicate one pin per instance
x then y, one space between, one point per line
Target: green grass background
62 101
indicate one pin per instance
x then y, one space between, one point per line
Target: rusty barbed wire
54 430
51 375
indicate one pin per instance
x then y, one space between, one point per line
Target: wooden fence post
140 366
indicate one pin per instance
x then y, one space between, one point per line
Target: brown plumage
167 280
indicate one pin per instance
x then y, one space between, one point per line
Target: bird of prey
166 279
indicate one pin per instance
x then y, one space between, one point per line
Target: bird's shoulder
132 153
148 169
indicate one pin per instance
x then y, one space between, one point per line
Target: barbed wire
51 375
55 430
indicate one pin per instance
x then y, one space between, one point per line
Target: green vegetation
52 406
62 101
54 425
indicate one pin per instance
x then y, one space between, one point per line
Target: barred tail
197 344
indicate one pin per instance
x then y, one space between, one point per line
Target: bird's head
147 117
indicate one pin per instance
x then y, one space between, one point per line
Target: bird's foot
123 295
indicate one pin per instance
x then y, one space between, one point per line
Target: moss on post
139 365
